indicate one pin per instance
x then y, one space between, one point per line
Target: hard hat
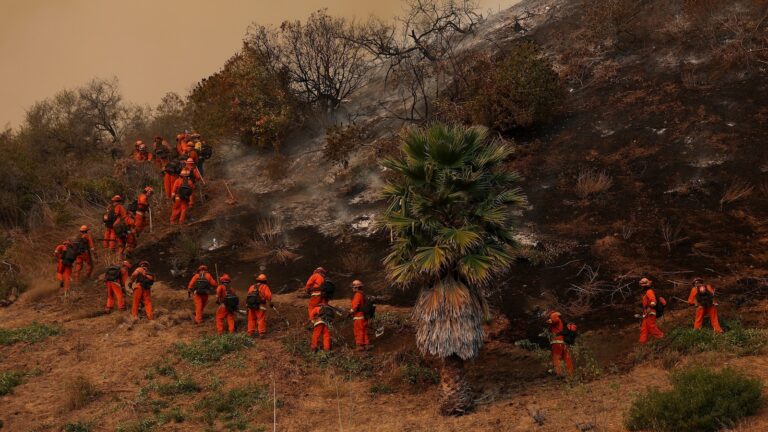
697 280
190 161
645 282
319 270
202 267
148 189
67 242
357 284
126 264
225 278
139 142
117 198
83 228
553 314
178 137
262 278
144 264
184 173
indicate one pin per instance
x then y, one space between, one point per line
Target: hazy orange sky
152 46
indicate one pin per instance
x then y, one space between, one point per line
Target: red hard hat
202 267
698 280
83 228
645 282
148 189
225 278
139 142
117 198
262 278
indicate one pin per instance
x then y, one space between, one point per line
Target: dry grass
592 182
736 191
356 263
671 234
269 243
78 392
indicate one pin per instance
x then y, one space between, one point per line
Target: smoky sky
151 46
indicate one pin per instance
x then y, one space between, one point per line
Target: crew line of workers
701 296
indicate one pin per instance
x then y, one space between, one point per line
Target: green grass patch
701 400
344 360
233 407
142 425
161 368
738 340
76 427
32 333
9 380
418 374
378 389
178 387
210 349
174 415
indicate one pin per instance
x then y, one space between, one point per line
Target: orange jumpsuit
181 144
701 311
560 350
165 153
109 233
127 244
195 177
257 318
222 313
168 180
63 270
180 206
320 330
115 291
648 326
360 326
141 156
141 294
142 212
200 299
313 288
85 257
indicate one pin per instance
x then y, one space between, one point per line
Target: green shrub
701 400
175 415
417 374
143 425
233 406
76 427
9 380
181 386
209 349
381 389
32 333
161 368
738 340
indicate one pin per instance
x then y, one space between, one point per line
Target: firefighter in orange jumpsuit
257 316
114 279
161 151
201 284
87 251
171 171
194 175
560 350
181 143
142 209
703 297
126 239
114 213
182 192
360 323
321 317
312 288
141 152
66 255
223 313
142 291
190 152
648 326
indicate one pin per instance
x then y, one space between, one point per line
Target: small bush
32 333
417 374
161 368
233 406
341 140
143 425
181 386
78 392
738 340
174 415
381 389
209 349
590 182
701 400
76 427
9 380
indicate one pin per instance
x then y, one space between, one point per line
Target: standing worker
66 255
115 212
360 321
125 231
560 350
703 297
142 293
648 326
202 283
182 192
228 303
161 151
142 209
86 253
312 287
321 317
259 295
171 172
114 280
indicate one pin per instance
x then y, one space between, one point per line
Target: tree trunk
456 398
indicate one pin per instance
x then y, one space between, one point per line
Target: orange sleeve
310 281
651 298
221 292
192 281
710 289
314 313
357 301
251 288
692 296
120 210
176 186
90 242
143 199
210 279
265 293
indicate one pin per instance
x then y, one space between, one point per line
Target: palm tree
451 216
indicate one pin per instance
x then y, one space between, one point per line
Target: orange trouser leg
560 353
136 300
147 298
115 292
109 239
66 277
699 320
712 313
59 271
168 181
314 301
140 222
252 321
320 330
649 328
360 328
223 314
261 320
200 301
179 211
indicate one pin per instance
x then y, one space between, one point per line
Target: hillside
653 165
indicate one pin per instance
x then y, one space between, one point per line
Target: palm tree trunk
456 398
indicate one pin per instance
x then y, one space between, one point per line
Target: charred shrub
518 90
701 400
341 141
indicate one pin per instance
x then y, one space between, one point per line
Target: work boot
368 347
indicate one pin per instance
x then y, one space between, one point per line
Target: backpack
231 302
112 274
253 301
569 334
206 151
705 299
368 310
110 217
327 289
202 286
121 229
146 280
161 152
326 313
173 167
81 245
134 206
185 191
661 303
70 255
